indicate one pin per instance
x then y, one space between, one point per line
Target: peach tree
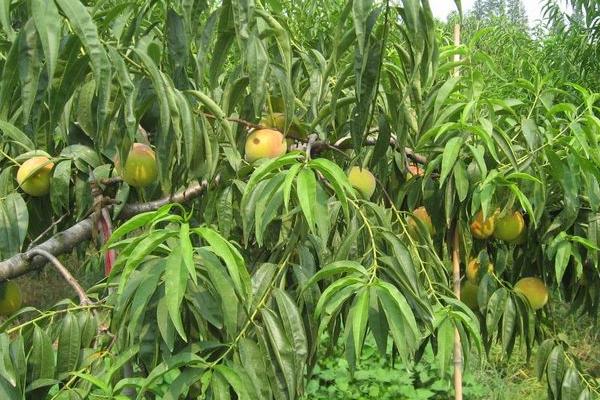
257 179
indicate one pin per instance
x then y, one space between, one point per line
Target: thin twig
41 235
236 120
83 298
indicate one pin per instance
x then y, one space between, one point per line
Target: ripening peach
472 270
482 229
140 167
421 214
534 290
509 226
265 143
33 176
362 180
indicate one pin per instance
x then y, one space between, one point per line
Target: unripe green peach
362 180
140 167
509 226
265 143
468 295
33 176
10 298
534 290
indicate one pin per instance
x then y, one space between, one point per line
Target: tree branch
63 242
83 299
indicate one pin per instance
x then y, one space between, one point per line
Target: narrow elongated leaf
233 260
11 131
47 22
40 362
86 30
450 155
14 222
59 190
176 275
307 192
69 344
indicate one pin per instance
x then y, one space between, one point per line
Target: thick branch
63 242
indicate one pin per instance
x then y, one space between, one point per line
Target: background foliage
228 296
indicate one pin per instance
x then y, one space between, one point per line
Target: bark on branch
63 242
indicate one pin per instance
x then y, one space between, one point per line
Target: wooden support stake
458 359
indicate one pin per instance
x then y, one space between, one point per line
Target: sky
441 8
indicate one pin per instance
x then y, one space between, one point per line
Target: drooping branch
84 300
65 241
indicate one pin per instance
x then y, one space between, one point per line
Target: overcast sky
441 8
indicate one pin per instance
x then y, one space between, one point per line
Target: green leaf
233 260
561 260
219 114
307 192
235 381
187 251
509 325
442 95
401 320
337 267
14 133
262 171
137 222
40 362
224 287
337 178
291 321
288 182
47 22
542 357
14 222
282 348
257 62
253 361
87 32
359 314
555 370
83 156
69 344
531 133
449 157
144 248
175 278
225 212
461 180
495 308
169 364
29 68
360 12
59 189
7 390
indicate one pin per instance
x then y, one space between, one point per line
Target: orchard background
238 193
